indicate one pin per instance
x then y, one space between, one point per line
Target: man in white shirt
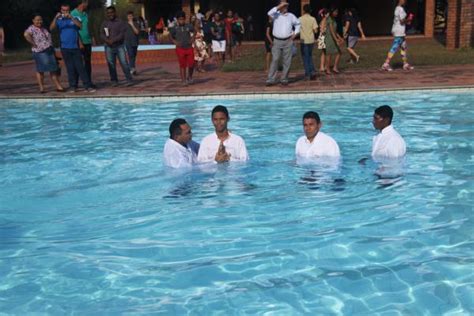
400 20
388 143
222 145
285 28
315 144
180 150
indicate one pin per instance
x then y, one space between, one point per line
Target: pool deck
18 81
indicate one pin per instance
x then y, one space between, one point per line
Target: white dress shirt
322 146
388 144
234 145
283 24
398 29
176 155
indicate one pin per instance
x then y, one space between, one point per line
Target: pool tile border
297 95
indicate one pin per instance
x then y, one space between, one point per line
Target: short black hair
220 108
111 8
180 14
307 8
175 127
312 115
130 12
384 111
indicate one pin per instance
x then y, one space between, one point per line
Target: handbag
322 41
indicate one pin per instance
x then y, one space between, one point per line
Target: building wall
459 31
466 31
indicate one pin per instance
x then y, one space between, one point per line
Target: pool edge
246 95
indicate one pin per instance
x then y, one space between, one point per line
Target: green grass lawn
421 52
13 56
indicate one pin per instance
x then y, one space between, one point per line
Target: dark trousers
75 67
87 58
111 54
132 55
307 54
87 55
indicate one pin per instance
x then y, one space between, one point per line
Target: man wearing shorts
400 21
352 32
183 37
218 39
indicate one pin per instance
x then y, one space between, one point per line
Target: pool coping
247 95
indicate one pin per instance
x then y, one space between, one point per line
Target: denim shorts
46 61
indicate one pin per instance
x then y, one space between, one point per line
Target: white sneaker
408 67
386 67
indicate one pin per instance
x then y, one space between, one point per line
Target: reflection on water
91 221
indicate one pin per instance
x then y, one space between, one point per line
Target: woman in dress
333 42
43 53
200 47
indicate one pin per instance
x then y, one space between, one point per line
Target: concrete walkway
18 81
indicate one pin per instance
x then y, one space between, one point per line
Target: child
352 32
183 37
400 20
200 47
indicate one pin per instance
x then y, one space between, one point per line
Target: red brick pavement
17 80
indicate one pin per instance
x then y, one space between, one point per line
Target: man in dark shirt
218 39
69 27
112 32
131 41
183 37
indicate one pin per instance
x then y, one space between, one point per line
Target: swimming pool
91 223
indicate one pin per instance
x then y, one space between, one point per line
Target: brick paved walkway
17 80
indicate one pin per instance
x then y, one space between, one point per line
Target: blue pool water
91 223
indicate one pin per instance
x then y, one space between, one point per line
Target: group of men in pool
223 146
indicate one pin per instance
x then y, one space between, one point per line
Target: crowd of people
222 146
283 28
198 39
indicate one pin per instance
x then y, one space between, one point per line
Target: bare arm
29 39
334 33
361 30
76 21
315 26
269 36
346 28
135 30
52 26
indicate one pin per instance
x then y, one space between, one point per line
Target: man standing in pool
222 145
315 144
388 143
180 150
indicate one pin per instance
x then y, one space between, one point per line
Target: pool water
91 223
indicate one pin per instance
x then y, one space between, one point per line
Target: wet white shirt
176 155
388 144
234 145
283 24
322 146
398 29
